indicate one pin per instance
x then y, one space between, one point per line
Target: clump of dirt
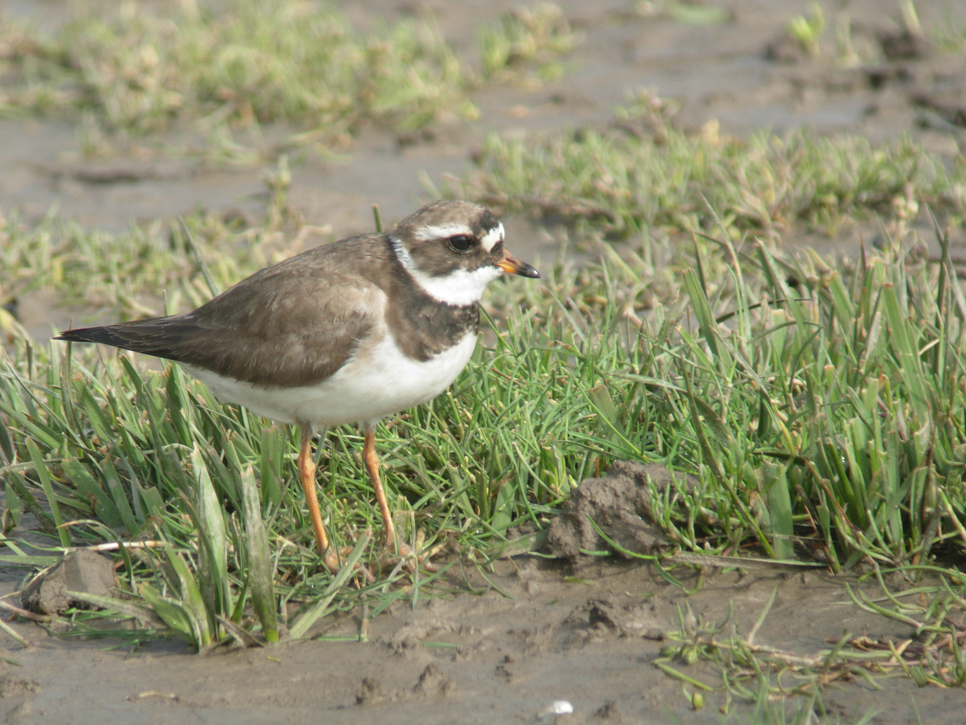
371 692
80 571
617 505
433 683
14 686
628 620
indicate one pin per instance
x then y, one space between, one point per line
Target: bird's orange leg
371 460
389 541
307 469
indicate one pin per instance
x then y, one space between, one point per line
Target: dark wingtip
84 334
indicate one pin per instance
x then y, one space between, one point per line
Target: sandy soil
490 658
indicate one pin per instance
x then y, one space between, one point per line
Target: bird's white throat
460 287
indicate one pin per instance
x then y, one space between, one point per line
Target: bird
348 332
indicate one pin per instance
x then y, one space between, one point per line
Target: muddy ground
492 658
469 658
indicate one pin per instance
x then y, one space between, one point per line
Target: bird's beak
511 264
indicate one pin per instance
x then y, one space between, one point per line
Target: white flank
385 382
492 238
442 232
458 288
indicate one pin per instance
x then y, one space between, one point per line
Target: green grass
807 31
822 409
294 62
642 172
950 35
526 45
139 272
276 61
144 455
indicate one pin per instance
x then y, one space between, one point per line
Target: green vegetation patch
822 410
275 61
526 41
149 268
642 171
293 61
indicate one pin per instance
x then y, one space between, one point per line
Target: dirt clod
13 686
629 620
370 692
609 713
785 49
604 610
903 45
620 505
80 571
433 683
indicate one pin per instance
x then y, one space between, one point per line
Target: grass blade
309 617
259 557
40 465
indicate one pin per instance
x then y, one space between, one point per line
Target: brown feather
299 321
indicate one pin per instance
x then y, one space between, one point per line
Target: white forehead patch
492 238
460 287
443 232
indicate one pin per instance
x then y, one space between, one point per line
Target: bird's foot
334 559
400 555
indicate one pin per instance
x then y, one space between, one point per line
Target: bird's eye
460 243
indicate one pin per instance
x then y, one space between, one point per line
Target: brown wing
295 323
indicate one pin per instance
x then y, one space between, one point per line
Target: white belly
385 382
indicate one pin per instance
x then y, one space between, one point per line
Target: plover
348 332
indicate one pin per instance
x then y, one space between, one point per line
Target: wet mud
587 634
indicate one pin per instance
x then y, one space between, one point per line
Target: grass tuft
285 60
642 172
296 62
526 44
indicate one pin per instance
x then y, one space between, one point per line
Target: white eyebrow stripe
493 237
443 232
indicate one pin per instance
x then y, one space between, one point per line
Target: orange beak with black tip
511 264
